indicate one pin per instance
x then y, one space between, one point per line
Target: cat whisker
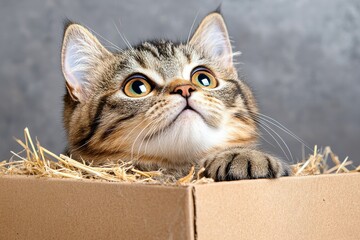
259 135
191 29
89 141
264 126
159 133
137 137
158 138
83 145
257 132
111 47
282 127
138 156
145 136
127 43
127 136
103 38
149 137
154 131
302 142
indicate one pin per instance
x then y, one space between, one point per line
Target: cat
164 105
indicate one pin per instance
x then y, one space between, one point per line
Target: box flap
32 208
311 207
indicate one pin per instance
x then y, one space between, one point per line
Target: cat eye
203 77
137 86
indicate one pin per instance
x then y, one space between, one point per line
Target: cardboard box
311 207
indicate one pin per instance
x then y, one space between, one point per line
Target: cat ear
213 38
81 55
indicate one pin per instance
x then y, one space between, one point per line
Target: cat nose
184 90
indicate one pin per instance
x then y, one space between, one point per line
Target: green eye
137 87
203 78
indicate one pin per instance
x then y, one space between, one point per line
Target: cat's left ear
212 37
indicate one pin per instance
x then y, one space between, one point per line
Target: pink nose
184 90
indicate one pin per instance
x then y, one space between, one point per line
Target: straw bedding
37 161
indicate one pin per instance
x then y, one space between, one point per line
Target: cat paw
241 163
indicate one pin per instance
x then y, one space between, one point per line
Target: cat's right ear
212 37
81 55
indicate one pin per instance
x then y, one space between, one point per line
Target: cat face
158 102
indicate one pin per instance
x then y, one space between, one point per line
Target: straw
317 163
39 161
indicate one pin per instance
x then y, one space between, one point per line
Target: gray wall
301 57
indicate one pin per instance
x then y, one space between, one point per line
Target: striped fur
103 124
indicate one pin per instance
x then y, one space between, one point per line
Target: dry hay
320 161
41 162
35 160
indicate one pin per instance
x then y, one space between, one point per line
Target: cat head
158 102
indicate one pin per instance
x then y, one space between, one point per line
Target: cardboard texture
311 207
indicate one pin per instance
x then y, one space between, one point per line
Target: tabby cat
164 105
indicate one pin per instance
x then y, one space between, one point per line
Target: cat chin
186 140
188 117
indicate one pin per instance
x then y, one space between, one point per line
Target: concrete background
301 57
